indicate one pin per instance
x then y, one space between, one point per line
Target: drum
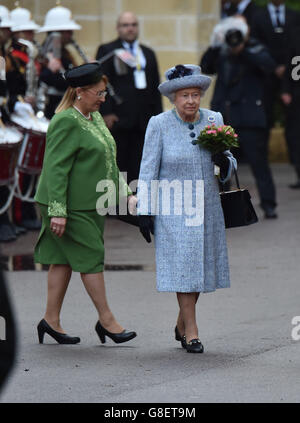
32 152
10 145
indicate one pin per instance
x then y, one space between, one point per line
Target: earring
78 97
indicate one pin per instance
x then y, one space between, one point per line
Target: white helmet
5 21
59 19
21 19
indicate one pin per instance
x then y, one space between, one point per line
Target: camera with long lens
234 37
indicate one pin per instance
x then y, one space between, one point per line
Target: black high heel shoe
194 346
61 338
118 338
180 338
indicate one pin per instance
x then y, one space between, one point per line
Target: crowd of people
251 52
252 64
125 113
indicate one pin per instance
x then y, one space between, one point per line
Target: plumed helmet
59 19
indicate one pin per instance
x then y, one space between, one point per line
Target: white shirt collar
127 45
137 51
242 6
272 10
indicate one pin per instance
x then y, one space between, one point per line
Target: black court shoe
194 346
118 338
180 338
61 338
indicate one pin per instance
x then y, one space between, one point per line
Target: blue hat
183 76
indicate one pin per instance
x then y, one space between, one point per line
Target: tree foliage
293 4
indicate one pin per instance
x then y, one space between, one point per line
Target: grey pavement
246 330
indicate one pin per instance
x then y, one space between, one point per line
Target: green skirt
81 246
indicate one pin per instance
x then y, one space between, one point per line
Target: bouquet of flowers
217 139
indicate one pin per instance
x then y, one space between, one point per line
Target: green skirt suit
79 154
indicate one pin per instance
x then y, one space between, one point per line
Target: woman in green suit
80 153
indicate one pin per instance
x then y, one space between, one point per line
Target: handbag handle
236 180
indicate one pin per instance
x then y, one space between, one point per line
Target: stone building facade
178 30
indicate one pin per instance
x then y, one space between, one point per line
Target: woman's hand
222 161
54 64
58 225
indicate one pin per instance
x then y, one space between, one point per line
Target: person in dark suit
271 27
246 8
241 64
137 90
291 98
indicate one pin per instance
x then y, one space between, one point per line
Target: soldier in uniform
59 27
24 213
7 229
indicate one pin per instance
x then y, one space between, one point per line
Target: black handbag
237 207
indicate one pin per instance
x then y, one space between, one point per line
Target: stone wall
178 30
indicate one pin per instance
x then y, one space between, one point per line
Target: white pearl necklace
86 117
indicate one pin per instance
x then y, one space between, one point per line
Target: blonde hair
70 96
67 101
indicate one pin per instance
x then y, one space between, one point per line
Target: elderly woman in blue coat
178 199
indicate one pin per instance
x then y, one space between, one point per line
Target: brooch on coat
211 118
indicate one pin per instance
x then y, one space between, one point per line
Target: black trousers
272 91
130 144
254 143
293 137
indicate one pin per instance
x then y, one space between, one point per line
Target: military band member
59 27
22 100
7 229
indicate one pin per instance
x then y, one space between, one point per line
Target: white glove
23 109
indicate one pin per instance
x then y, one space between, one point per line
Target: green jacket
79 154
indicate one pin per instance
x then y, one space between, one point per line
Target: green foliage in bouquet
217 139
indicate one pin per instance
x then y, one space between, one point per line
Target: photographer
241 64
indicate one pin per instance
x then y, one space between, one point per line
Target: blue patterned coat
191 251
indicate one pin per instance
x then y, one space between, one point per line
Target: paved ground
250 355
